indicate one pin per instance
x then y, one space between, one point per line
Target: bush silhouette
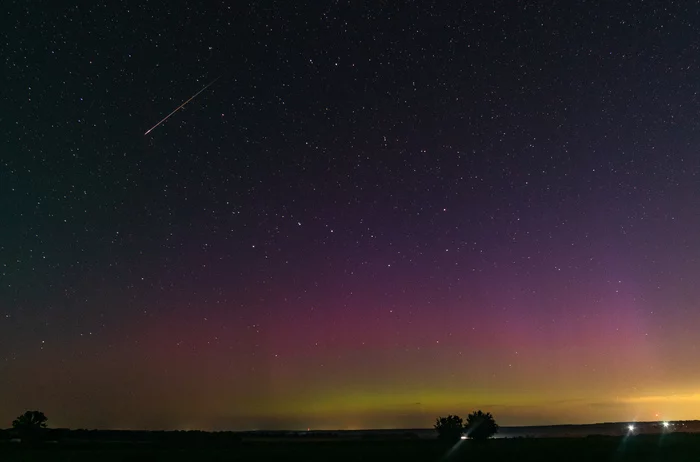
30 426
449 428
480 426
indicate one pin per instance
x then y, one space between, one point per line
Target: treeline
135 436
187 437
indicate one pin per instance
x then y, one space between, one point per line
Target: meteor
181 106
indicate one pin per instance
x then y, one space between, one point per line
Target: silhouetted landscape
680 441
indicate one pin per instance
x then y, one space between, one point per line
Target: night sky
380 212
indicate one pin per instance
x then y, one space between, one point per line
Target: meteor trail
180 106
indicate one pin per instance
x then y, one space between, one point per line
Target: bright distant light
630 427
463 437
665 424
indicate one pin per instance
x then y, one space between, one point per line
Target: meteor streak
180 106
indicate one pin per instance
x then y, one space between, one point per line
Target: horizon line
310 430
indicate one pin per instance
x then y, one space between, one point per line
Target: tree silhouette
449 428
30 425
481 426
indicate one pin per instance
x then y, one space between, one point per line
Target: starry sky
379 213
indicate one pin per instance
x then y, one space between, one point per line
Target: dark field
666 448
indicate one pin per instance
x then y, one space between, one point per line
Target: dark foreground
666 448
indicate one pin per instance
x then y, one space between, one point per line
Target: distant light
463 437
630 427
665 424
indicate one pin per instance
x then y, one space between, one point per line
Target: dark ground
666 448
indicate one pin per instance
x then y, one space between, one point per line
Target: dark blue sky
370 203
